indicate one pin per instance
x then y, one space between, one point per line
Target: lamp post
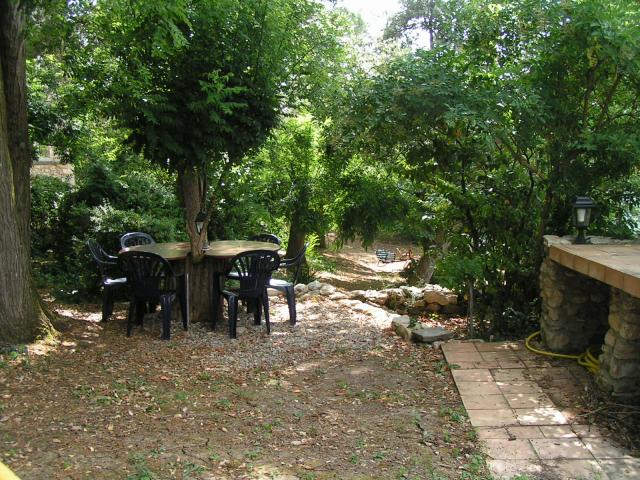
201 217
582 217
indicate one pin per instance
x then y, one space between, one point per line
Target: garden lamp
582 217
201 217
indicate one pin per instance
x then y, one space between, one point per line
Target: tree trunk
22 317
13 58
427 263
200 273
296 238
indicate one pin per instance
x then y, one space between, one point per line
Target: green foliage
47 194
516 109
103 205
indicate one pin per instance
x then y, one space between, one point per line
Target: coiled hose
585 359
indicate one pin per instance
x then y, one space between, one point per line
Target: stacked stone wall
620 359
574 308
62 171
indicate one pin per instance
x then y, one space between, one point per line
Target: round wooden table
204 279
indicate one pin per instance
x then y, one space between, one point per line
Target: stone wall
574 308
620 360
62 171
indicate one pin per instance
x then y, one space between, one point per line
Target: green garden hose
585 359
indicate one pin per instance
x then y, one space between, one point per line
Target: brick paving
524 431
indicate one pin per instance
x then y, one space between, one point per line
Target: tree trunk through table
201 278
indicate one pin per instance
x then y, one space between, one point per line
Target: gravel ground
335 396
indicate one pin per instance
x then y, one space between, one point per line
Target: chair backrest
135 238
266 237
102 258
295 263
253 269
148 274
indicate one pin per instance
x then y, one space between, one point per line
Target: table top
222 249
615 265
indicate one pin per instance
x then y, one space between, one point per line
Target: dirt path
336 396
359 269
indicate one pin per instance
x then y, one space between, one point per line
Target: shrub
103 206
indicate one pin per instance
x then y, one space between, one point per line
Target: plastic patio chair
151 279
135 238
288 287
266 237
109 278
252 270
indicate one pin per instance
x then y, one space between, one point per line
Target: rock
400 324
337 296
301 289
272 292
430 335
437 294
315 285
434 307
411 292
420 304
374 296
327 289
358 295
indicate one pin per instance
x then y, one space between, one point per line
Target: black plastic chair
266 237
136 238
110 277
252 270
151 279
294 264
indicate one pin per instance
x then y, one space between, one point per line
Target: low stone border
431 297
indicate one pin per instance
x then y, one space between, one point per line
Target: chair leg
291 303
130 315
141 308
183 296
257 310
165 312
233 315
265 304
107 303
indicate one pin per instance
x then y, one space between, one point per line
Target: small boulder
301 289
315 285
327 289
437 294
434 307
400 324
374 296
431 334
412 292
358 295
337 296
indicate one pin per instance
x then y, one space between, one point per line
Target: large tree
199 83
21 314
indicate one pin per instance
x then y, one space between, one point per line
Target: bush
47 194
102 206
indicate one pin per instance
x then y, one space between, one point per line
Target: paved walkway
524 432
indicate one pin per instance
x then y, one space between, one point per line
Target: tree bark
296 238
201 274
13 58
22 317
